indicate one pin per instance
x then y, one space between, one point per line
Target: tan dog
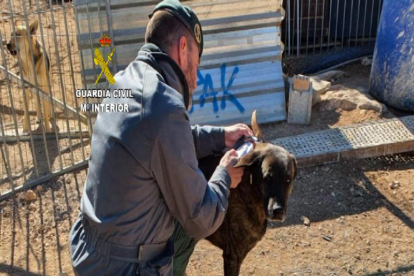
42 67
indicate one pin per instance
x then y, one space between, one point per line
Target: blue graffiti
208 90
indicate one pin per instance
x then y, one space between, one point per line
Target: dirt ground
361 214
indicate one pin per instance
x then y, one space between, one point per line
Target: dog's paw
55 128
38 130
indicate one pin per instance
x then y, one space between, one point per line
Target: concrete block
319 88
300 106
301 83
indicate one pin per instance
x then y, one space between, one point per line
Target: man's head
176 30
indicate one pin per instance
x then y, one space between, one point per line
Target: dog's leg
49 118
232 264
38 130
26 119
38 111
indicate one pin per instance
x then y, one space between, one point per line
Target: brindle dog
261 196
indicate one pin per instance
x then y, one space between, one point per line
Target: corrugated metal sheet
240 68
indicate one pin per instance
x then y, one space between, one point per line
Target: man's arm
198 205
208 140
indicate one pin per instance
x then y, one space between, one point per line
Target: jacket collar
167 67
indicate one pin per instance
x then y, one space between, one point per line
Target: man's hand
233 133
229 160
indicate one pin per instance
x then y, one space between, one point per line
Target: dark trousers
183 244
183 248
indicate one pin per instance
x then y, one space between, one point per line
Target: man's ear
248 159
183 53
33 27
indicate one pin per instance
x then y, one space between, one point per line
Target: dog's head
273 169
20 38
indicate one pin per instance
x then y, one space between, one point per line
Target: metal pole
16 129
90 36
111 32
98 5
108 20
5 156
343 25
350 23
307 33
72 74
61 80
301 23
365 19
297 28
337 20
56 229
293 26
23 87
48 80
370 26
93 63
83 68
330 17
357 25
288 25
323 21
45 178
379 13
314 31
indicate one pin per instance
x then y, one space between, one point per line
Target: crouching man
146 203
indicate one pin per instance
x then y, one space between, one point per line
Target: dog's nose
273 206
8 46
275 211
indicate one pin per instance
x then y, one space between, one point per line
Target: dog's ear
33 27
255 127
295 166
17 23
248 159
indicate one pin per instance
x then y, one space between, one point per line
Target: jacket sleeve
198 205
208 140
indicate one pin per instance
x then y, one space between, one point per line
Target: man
145 202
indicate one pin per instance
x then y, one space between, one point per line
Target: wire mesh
317 26
42 129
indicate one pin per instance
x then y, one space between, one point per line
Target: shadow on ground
328 192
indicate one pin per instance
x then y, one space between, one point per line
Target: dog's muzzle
12 52
275 211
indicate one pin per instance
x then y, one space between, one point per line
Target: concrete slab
364 140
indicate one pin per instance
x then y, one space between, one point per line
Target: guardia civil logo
105 41
197 32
